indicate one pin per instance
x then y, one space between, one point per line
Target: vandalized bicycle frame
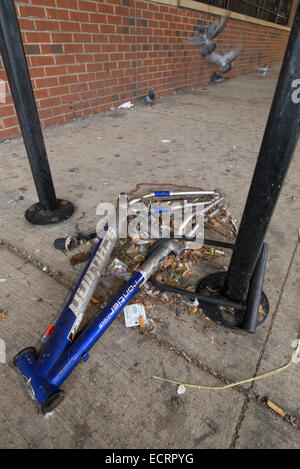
61 350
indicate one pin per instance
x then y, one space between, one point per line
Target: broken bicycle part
46 371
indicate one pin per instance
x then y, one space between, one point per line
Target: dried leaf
193 310
191 288
2 314
167 262
80 257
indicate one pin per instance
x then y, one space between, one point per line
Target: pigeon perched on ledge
150 97
263 70
224 59
205 35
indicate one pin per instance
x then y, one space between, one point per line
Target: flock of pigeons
204 39
224 59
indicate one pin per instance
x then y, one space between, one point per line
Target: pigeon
218 78
263 70
150 97
205 35
224 59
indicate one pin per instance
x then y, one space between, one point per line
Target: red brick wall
85 56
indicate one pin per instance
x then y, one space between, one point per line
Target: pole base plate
37 215
227 317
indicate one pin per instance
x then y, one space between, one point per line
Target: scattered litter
133 313
298 234
126 105
2 280
45 269
119 269
97 301
141 321
214 252
151 326
275 407
49 415
181 389
23 189
166 141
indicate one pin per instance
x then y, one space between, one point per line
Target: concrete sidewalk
112 401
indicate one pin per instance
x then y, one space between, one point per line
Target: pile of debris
182 271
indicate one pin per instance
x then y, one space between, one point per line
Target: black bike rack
245 274
49 209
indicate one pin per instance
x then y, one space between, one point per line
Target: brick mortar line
268 335
247 393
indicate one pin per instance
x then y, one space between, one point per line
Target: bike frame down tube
44 386
60 334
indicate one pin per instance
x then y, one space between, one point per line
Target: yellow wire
264 375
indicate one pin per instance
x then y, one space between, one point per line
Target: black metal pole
275 154
255 292
49 209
